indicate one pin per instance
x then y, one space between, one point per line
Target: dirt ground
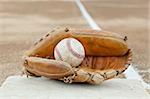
24 22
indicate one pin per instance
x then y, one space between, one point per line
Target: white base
17 87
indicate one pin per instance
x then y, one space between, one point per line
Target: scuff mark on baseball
70 50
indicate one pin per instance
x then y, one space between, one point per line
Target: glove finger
47 67
96 43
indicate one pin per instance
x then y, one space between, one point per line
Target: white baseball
70 50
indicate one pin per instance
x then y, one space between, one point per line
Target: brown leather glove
107 55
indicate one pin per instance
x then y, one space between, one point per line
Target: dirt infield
23 22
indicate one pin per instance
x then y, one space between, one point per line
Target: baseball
70 50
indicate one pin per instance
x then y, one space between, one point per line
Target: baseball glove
106 56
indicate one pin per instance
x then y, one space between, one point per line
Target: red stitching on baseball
58 53
76 54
